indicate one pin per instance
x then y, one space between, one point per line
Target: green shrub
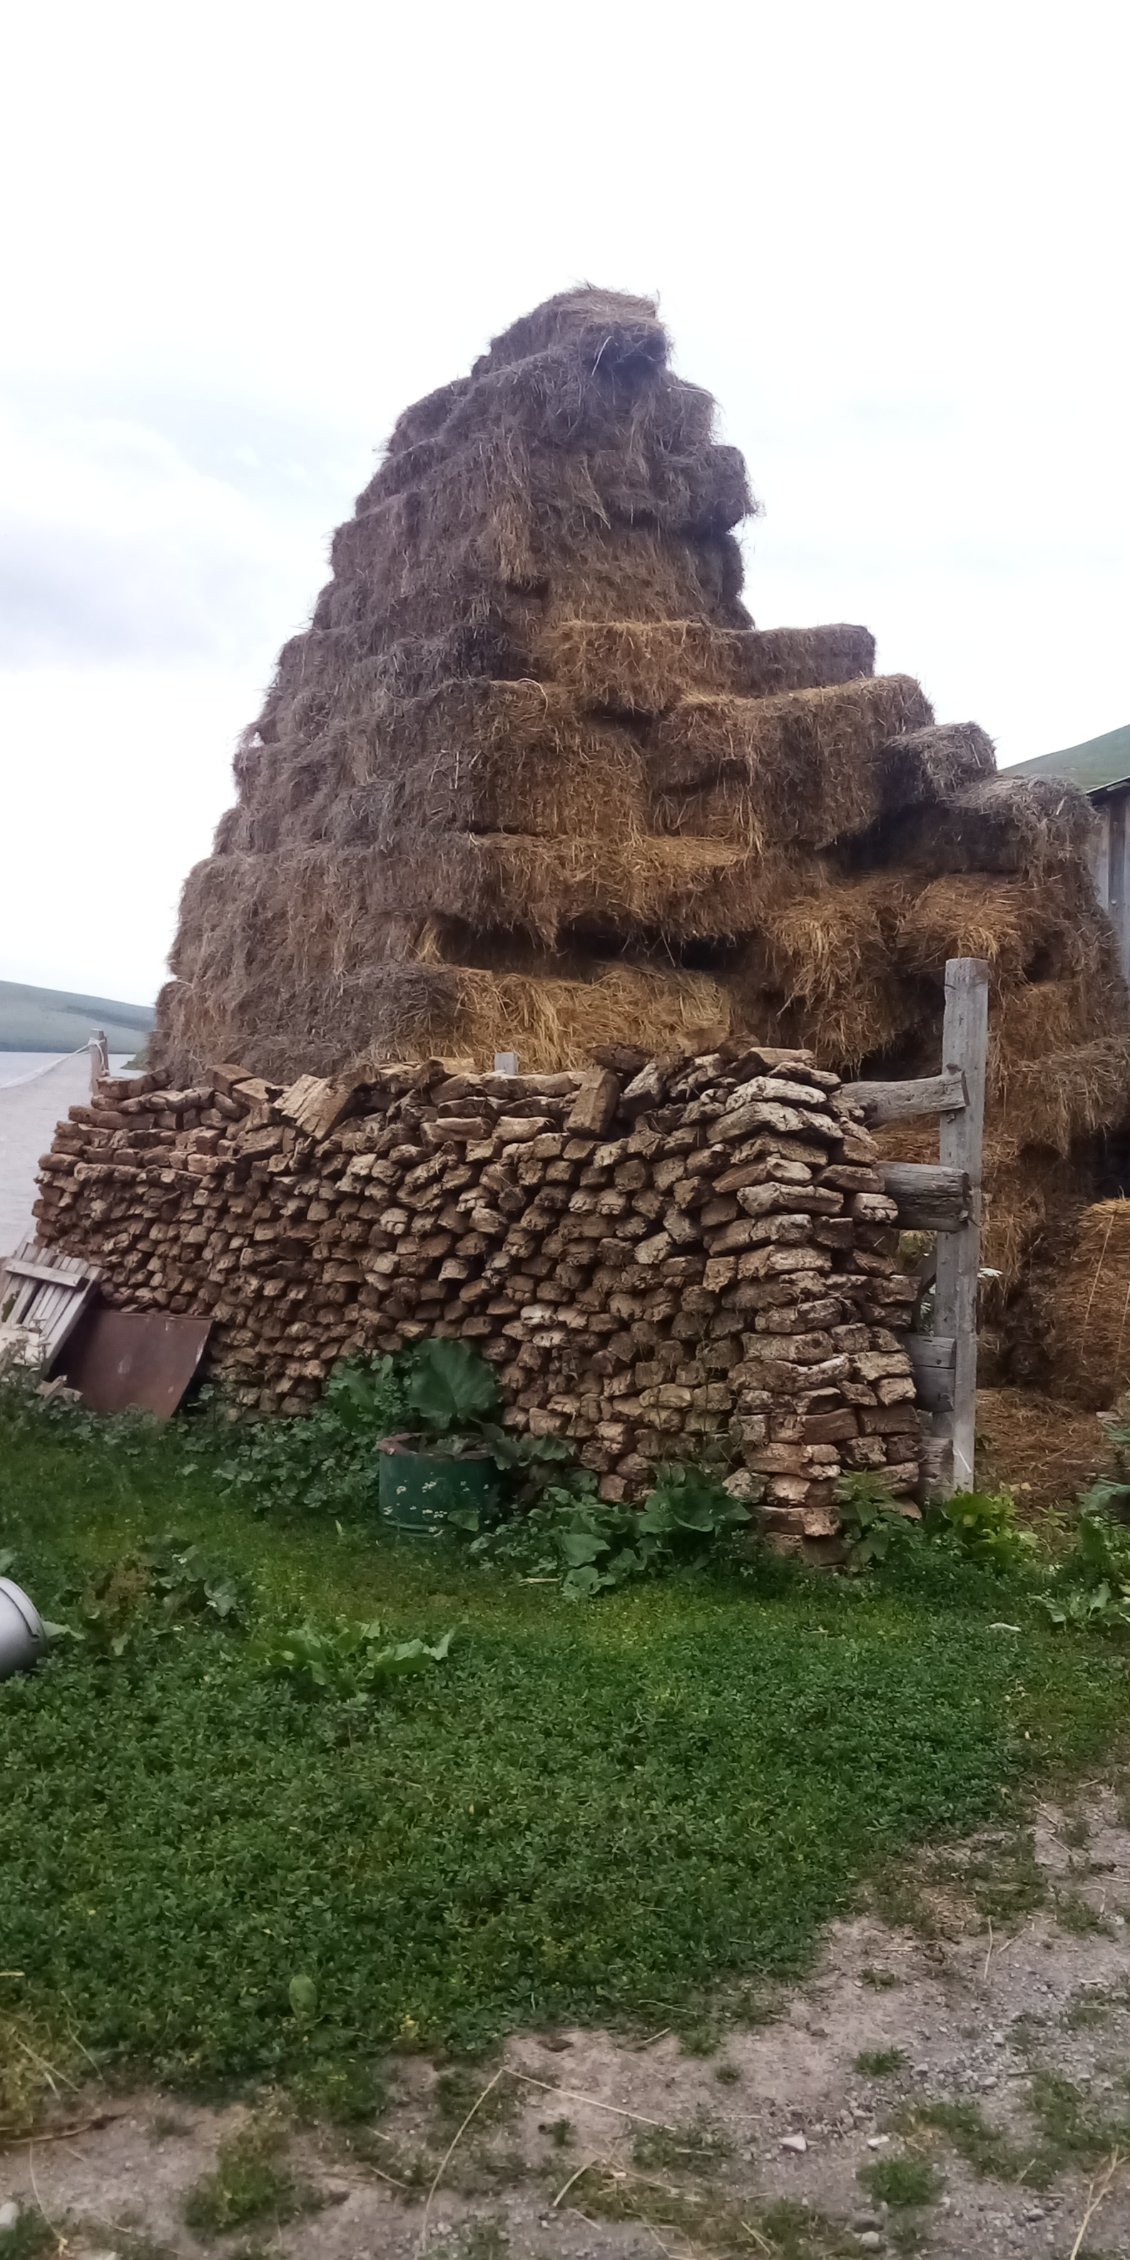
163 1585
870 1521
351 1663
902 2181
1090 1588
248 2185
876 2063
321 1463
983 1525
594 1545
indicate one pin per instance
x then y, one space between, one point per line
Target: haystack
533 780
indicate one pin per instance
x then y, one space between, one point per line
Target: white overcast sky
237 239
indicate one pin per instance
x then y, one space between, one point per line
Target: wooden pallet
45 1294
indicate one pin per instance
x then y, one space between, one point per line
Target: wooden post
99 1058
964 1049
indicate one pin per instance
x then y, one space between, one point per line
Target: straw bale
644 667
1035 1018
1089 1345
416 1007
641 575
998 823
327 908
595 787
557 1023
804 766
470 755
829 955
328 1021
1049 927
486 647
926 766
1063 1096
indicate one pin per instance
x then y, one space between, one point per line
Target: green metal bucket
419 1484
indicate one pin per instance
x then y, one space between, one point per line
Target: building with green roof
1100 767
1096 766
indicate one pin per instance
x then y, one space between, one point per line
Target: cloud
115 545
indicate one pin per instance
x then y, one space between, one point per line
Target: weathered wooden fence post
965 1033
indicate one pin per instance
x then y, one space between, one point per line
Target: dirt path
991 1993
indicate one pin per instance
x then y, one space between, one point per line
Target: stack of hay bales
532 781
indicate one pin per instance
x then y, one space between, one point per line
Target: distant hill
56 1020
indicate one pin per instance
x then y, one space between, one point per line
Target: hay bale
829 954
1026 928
329 906
929 765
803 767
1061 1097
471 755
645 667
995 823
1089 1346
554 1023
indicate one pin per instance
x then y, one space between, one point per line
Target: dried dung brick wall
681 1258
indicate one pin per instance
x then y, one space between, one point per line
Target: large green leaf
580 1546
450 1386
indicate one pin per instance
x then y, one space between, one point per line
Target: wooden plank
937 1466
18 1269
49 1295
901 1102
965 1033
933 1357
1100 855
1116 870
1123 920
929 1198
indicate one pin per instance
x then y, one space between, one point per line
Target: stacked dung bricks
676 1259
533 781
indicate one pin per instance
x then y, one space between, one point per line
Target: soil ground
994 1977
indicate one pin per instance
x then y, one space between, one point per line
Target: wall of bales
690 1258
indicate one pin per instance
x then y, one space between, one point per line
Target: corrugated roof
1095 763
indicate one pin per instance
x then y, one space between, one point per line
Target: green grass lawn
591 1811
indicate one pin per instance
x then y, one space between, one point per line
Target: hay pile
533 781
